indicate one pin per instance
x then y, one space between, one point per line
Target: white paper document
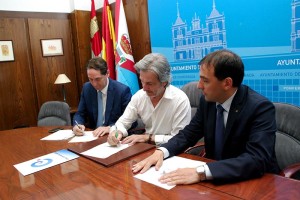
60 135
104 150
88 136
45 161
170 164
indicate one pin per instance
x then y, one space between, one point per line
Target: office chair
194 94
54 113
287 146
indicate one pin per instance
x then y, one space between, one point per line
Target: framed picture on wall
52 47
6 51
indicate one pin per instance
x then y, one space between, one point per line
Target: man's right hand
155 159
114 138
79 130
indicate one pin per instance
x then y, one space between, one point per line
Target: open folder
113 159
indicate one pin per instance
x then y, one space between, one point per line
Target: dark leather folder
113 159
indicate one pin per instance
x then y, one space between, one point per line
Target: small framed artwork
6 51
52 47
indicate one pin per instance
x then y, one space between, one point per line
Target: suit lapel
210 131
94 102
235 108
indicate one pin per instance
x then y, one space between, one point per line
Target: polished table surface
84 179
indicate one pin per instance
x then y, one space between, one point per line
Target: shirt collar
168 93
104 90
226 105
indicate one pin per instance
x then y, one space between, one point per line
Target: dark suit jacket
118 96
248 148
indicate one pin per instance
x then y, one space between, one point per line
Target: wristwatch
201 172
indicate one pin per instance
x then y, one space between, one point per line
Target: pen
79 129
117 134
77 124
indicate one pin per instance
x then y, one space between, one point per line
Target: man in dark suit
245 147
114 97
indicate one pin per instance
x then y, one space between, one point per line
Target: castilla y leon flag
108 39
126 73
95 33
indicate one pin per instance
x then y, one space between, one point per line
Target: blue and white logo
41 162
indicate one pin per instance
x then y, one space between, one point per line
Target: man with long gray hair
163 108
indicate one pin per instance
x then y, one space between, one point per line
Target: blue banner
266 34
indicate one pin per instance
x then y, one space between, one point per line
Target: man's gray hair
158 64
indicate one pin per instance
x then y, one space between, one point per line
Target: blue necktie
100 109
219 132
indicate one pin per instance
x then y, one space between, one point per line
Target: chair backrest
287 146
54 113
193 94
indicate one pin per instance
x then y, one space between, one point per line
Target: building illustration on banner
295 22
266 37
200 40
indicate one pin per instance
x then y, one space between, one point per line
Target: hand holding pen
114 137
117 135
78 129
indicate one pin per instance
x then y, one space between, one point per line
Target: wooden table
84 179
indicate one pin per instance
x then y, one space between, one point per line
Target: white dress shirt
171 114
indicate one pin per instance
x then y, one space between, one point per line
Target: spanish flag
108 39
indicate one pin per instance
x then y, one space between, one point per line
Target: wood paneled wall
80 27
46 69
17 92
28 81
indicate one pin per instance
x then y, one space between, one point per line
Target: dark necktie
219 133
100 109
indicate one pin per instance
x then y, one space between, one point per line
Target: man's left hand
132 139
180 176
101 131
